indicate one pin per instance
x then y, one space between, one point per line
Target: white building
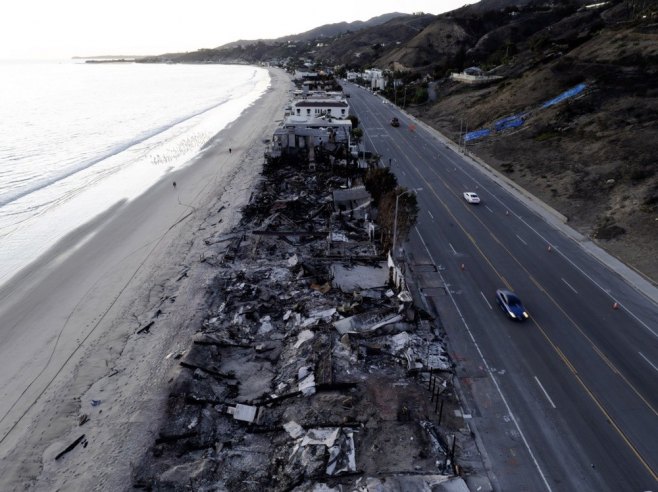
376 78
311 107
300 74
305 133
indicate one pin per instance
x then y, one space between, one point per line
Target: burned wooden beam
212 372
71 447
219 343
334 386
146 328
275 399
193 400
163 438
291 233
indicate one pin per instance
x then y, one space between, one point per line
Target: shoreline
144 263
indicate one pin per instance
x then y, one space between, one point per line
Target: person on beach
174 184
229 150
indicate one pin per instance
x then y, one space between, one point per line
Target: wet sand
70 349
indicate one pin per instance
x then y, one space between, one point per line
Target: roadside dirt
592 157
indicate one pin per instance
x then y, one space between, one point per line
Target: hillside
265 50
592 157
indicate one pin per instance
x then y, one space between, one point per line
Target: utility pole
395 219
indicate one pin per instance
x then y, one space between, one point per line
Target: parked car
471 197
395 122
511 305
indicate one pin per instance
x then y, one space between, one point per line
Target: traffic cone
615 305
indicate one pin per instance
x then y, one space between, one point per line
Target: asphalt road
566 400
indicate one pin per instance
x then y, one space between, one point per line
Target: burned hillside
591 157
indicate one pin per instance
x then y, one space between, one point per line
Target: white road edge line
488 209
485 300
452 248
545 392
489 371
648 361
521 239
569 285
448 157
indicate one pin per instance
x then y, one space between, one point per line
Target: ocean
77 138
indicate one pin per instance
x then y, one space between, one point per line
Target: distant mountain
252 51
591 157
332 30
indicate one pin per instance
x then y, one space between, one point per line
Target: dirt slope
593 156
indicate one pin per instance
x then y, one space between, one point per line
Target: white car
471 197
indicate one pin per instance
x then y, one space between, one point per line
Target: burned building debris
312 370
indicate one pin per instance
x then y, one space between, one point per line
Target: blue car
511 305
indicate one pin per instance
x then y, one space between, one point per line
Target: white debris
339 237
265 325
399 341
294 429
246 413
307 385
342 455
325 314
405 296
310 322
303 336
326 437
303 372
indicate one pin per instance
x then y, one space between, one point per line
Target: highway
567 400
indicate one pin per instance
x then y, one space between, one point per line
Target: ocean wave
15 191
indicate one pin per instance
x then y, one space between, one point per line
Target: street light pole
395 218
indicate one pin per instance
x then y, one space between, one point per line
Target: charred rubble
314 369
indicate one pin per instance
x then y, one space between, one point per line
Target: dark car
395 122
511 305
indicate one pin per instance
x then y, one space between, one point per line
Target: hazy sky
65 28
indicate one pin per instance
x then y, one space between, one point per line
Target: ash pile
311 372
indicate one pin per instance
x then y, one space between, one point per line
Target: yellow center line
597 402
562 356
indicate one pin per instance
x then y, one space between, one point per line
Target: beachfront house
304 74
300 133
316 107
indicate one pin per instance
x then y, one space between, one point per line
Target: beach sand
70 349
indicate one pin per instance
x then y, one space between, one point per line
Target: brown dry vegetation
593 157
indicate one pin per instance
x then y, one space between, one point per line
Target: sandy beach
73 361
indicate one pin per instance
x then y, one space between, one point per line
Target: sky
61 29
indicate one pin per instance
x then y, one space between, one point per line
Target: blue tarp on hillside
510 122
517 120
565 95
476 134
